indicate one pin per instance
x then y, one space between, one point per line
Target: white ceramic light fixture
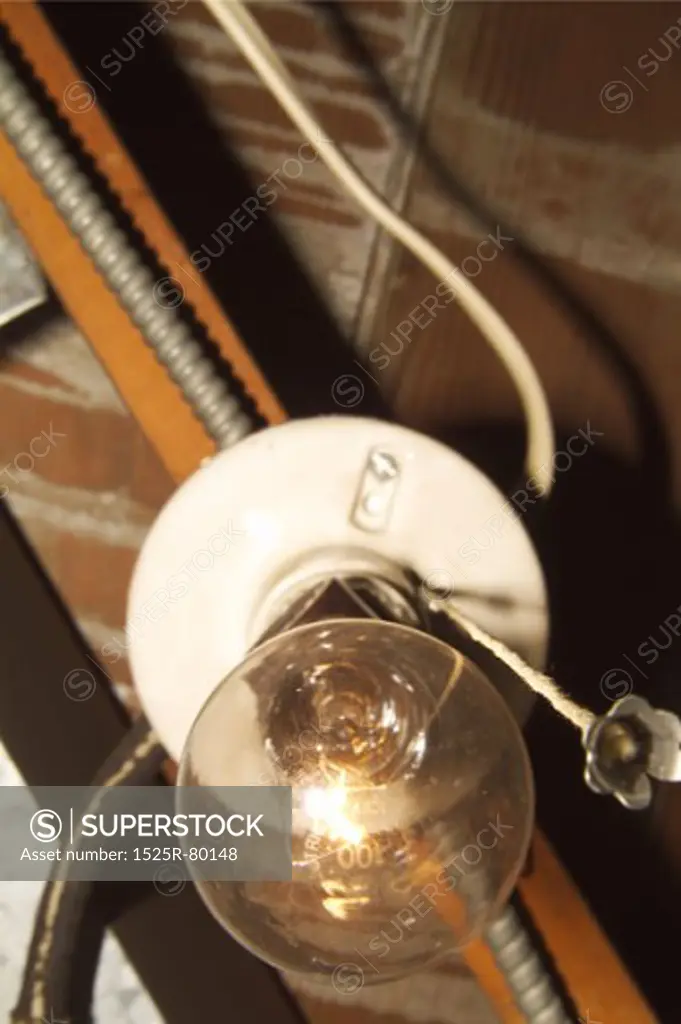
410 750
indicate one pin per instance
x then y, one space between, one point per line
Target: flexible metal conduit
528 979
48 160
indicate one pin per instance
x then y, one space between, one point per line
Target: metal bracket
22 286
377 491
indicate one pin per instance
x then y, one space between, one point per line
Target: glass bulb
412 796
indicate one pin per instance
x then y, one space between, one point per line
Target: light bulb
412 796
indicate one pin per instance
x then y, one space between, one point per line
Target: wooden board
167 422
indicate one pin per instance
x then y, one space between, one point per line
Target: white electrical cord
256 48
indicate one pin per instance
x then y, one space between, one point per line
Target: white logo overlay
46 826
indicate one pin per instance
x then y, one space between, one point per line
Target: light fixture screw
384 465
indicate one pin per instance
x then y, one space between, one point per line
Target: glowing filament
326 807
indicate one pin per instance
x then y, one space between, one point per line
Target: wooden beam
152 398
593 973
